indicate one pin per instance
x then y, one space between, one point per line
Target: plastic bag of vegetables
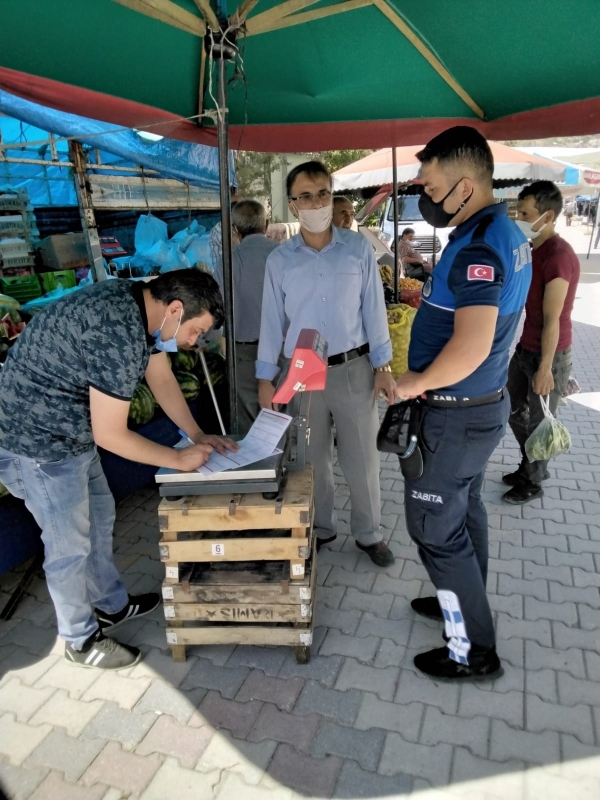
549 439
400 319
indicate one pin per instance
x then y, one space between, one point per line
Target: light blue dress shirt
336 291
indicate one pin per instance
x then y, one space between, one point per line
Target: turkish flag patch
480 272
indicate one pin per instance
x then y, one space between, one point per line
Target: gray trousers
247 386
348 401
526 409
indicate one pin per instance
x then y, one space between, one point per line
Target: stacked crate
240 569
17 231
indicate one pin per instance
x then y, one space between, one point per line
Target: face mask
169 345
315 220
434 213
527 227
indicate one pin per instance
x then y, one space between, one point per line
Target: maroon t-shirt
553 259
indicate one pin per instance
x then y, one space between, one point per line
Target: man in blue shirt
458 363
327 278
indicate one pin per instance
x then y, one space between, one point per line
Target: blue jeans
71 502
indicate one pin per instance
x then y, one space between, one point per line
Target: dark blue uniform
486 263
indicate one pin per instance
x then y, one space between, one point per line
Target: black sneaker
103 653
514 478
523 493
321 542
427 607
379 553
136 607
438 664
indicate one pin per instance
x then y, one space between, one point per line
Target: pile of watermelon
143 405
11 324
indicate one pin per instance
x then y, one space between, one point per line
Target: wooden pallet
240 569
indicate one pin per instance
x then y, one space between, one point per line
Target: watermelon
142 405
189 385
185 361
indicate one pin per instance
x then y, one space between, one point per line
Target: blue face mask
168 345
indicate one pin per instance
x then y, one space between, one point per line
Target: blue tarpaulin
28 122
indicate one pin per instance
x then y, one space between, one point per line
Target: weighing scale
307 372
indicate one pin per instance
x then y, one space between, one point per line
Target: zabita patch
480 272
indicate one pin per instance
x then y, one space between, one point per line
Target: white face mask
315 220
527 227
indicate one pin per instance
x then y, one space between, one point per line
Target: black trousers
526 409
446 518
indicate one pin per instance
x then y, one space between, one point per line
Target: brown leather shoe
379 553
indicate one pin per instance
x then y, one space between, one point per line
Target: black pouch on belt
399 434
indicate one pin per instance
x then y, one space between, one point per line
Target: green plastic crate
22 287
63 277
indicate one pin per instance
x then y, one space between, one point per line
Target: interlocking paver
355 675
127 771
354 782
55 788
64 675
113 722
467 767
538 610
472 733
536 748
389 654
235 717
324 669
316 776
259 686
413 687
124 691
400 588
344 577
404 719
226 680
247 759
158 664
61 710
17 741
174 782
400 757
23 701
280 726
269 659
378 604
363 648
345 621
508 706
565 594
183 742
543 683
67 754
543 716
396 630
566 638
539 631
19 782
527 587
537 657
232 787
331 596
339 740
162 698
340 706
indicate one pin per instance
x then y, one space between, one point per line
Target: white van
428 241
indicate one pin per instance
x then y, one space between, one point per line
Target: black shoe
514 478
438 664
427 607
321 542
523 493
103 653
136 607
380 554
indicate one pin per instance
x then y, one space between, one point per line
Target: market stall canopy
510 166
312 74
591 159
28 125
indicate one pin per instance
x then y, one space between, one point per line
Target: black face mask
434 213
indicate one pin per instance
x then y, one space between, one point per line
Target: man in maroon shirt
541 364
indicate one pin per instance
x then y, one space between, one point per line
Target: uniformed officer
458 361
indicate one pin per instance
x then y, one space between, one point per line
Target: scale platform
264 476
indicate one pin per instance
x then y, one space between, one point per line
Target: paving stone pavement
358 721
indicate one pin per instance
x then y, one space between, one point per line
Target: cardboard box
64 251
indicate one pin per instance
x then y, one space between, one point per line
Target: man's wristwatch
385 368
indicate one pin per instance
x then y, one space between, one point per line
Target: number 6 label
218 549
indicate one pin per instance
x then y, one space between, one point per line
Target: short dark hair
198 291
340 198
249 216
461 146
546 196
310 168
406 231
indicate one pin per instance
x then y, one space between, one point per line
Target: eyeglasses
306 199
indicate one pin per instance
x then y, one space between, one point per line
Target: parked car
428 241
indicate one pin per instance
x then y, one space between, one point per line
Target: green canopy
313 75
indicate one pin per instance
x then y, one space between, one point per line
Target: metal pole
224 180
86 211
212 391
595 223
395 201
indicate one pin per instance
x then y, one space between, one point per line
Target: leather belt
449 401
350 355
